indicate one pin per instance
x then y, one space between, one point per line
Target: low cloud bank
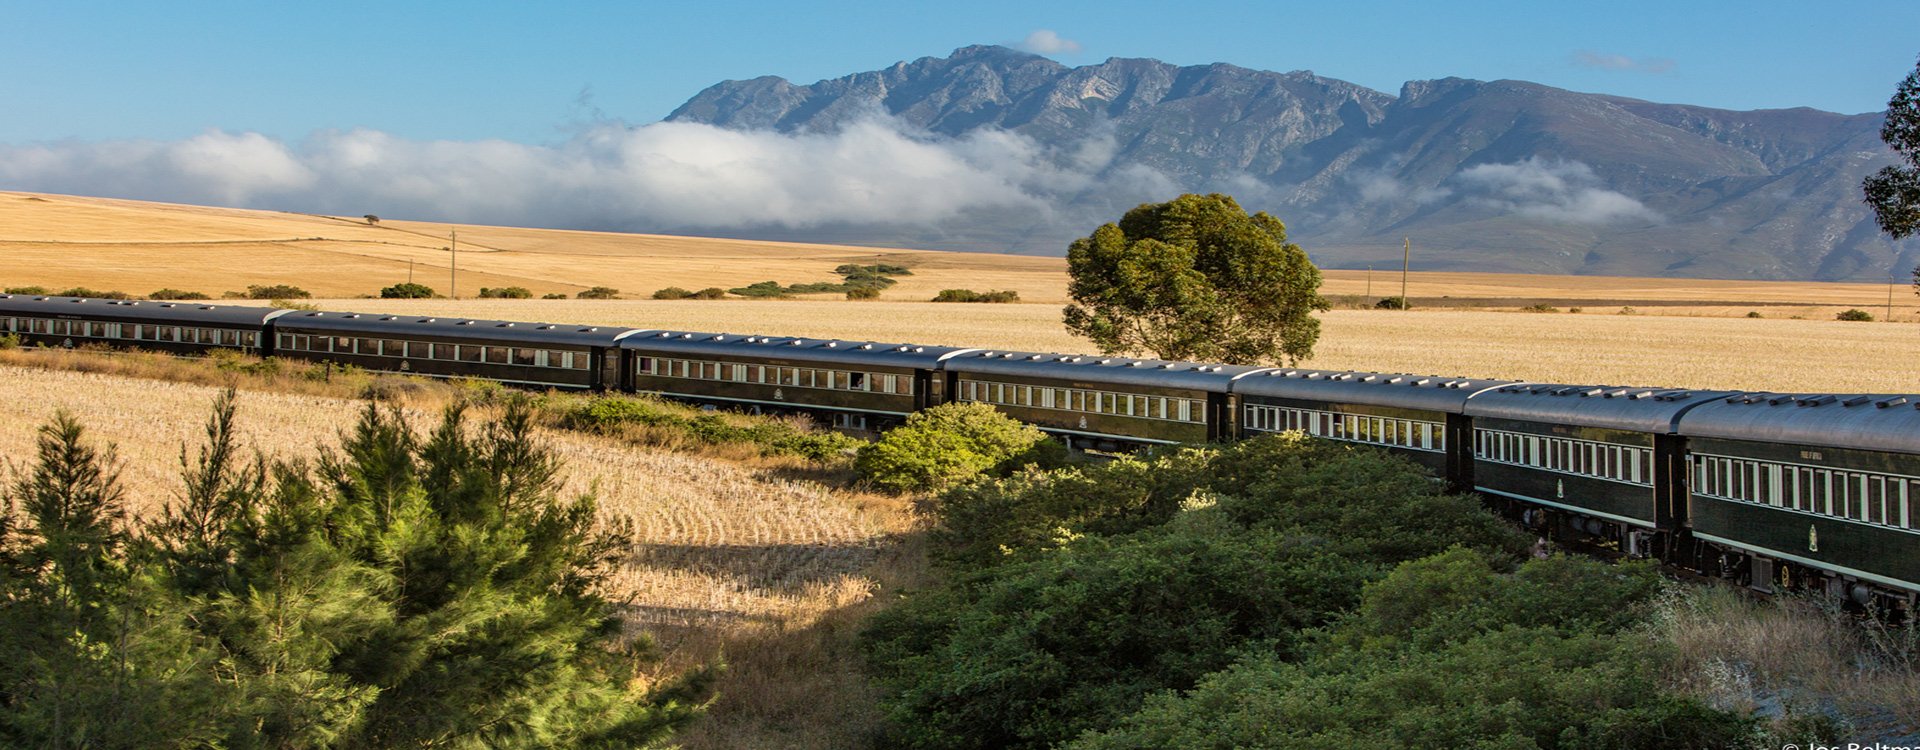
1560 191
680 175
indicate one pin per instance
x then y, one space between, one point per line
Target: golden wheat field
1591 347
726 558
137 247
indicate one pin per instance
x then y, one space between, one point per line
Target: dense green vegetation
1276 592
1894 191
674 292
507 292
854 279
951 443
275 291
969 295
598 292
176 294
610 414
408 290
404 591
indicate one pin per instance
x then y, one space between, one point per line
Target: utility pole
1889 299
409 270
453 265
1369 286
1406 260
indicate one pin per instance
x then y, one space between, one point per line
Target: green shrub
760 290
672 292
945 445
176 294
277 291
1391 303
1855 314
27 290
285 304
407 290
1540 308
508 292
712 292
1629 311
862 293
877 269
81 291
1754 314
9 341
968 295
1576 310
1451 649
599 292
553 295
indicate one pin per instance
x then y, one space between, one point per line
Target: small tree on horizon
1195 278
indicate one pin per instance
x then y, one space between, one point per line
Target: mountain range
1478 175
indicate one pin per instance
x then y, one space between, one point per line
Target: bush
9 341
609 414
407 290
877 269
1576 310
672 292
286 304
1629 311
81 291
599 292
277 291
28 290
1540 308
760 290
1449 649
863 292
1391 303
176 294
1754 314
1855 314
712 292
968 295
946 445
1077 595
553 295
404 590
510 292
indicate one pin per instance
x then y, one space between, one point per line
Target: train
1772 491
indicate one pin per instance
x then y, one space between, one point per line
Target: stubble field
1591 347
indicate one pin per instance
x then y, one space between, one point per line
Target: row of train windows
795 377
498 355
1091 402
1858 495
132 332
1358 428
1618 463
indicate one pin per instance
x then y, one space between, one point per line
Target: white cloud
1047 42
1563 191
608 176
1587 58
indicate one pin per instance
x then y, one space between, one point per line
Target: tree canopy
1894 191
1195 278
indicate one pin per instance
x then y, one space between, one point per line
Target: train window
1185 409
469 353
523 357
1909 492
443 352
1841 495
1876 496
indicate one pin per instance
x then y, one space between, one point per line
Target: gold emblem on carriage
780 393
1083 423
1813 538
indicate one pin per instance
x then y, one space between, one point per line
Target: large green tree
1195 278
1894 191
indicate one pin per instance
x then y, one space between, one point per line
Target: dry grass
1788 655
728 558
1729 353
63 241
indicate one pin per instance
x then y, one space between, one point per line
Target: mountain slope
1483 175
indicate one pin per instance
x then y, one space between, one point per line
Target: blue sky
535 72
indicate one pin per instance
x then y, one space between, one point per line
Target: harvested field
727 558
137 247
1732 353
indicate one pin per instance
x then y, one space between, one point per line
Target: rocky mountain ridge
1482 175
